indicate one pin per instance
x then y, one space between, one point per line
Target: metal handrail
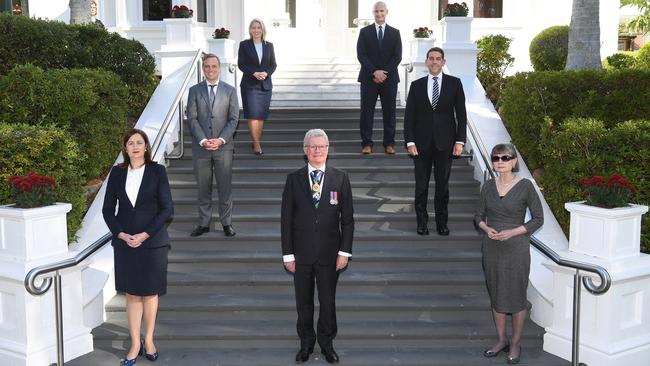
578 278
52 270
408 68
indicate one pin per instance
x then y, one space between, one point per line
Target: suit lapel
304 184
253 52
145 178
327 187
444 90
203 92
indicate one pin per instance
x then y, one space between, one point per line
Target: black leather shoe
303 355
443 230
200 230
423 231
330 355
489 353
229 231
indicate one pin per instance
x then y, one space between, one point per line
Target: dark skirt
140 271
256 102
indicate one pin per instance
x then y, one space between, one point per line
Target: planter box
419 48
609 233
456 30
179 32
224 48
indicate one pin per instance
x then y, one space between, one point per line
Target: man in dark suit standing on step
435 122
379 50
317 226
213 114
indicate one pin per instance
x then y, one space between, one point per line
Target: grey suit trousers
219 165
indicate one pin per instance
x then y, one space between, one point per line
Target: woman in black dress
501 213
140 240
256 59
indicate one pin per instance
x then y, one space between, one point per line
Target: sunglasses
505 158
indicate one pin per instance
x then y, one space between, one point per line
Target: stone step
322 87
325 65
347 73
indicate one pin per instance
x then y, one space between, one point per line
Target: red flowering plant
32 190
422 32
221 33
182 11
607 192
456 10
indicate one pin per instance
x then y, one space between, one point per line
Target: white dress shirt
260 51
291 257
133 182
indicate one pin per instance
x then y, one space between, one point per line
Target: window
201 12
5 5
488 8
156 9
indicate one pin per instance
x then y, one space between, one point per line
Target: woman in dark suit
140 240
501 214
256 59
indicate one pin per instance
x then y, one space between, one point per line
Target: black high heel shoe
149 356
257 152
514 360
490 353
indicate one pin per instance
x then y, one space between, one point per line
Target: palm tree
641 23
79 11
584 36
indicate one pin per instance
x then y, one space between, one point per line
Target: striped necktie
435 94
316 177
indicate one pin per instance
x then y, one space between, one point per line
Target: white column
180 47
225 50
460 51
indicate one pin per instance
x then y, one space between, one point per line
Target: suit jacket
439 128
248 63
153 207
373 58
207 122
316 234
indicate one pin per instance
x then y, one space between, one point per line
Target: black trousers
387 93
441 161
325 277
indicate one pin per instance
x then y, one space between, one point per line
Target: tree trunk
79 11
24 6
584 36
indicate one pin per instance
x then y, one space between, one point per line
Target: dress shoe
423 231
330 355
150 356
366 149
228 230
443 230
389 150
489 353
200 230
257 151
513 360
303 355
131 362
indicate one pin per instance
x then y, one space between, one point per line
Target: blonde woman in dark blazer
140 190
256 59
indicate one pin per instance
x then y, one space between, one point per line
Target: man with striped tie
317 226
435 122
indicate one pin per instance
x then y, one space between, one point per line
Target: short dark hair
508 149
436 49
125 155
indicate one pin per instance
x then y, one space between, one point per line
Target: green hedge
549 49
55 45
90 104
586 147
533 101
46 150
620 60
491 63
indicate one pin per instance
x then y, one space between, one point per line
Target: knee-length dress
506 264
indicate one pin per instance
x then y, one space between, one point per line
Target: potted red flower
610 192
422 32
32 190
456 10
182 11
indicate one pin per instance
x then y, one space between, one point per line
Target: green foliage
534 104
46 150
549 49
584 147
89 104
55 45
640 23
643 57
492 61
621 60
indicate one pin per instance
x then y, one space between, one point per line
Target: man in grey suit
213 114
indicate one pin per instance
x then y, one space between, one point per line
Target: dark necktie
316 176
435 94
212 95
380 35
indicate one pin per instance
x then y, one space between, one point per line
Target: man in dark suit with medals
317 226
435 123
379 50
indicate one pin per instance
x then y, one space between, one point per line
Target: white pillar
29 238
460 51
179 48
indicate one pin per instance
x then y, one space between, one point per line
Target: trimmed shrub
540 101
620 60
89 104
586 147
55 45
492 61
46 150
550 48
643 57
